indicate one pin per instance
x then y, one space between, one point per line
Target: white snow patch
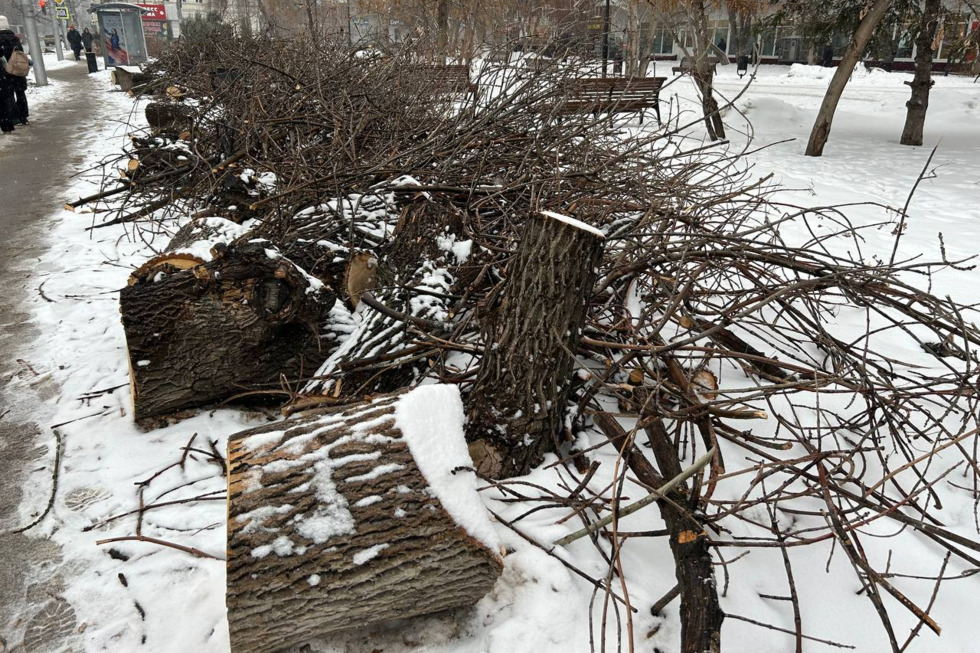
380 470
369 554
572 222
431 419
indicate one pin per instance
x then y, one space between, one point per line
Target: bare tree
922 81
860 39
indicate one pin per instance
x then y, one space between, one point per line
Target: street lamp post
37 52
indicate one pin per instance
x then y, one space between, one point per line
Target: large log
169 116
208 321
517 406
343 518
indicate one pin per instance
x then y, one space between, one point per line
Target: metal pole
605 40
37 52
57 38
62 32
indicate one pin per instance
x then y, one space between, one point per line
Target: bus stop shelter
121 33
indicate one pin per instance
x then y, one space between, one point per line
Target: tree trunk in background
631 61
517 405
921 82
825 117
199 332
169 116
332 526
412 259
740 18
703 72
442 20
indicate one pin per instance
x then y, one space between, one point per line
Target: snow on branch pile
837 394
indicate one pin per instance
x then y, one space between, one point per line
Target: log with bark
169 116
345 518
207 321
517 406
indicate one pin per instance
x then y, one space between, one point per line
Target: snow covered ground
39 97
138 596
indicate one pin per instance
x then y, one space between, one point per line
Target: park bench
612 95
685 66
448 79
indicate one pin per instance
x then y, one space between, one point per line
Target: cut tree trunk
169 116
825 117
350 517
202 326
921 83
517 405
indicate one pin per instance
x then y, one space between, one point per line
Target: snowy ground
39 97
133 596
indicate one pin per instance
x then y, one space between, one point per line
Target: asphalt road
35 161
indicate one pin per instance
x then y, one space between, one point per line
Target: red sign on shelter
157 12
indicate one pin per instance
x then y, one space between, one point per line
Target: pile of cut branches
335 225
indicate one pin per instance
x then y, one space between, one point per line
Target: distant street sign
59 2
61 13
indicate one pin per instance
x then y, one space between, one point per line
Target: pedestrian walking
75 39
828 55
13 88
87 39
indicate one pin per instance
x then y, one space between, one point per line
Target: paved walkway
34 163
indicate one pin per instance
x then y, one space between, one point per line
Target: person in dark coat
13 89
75 40
87 39
828 55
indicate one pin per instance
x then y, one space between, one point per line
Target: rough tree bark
517 405
921 83
200 331
701 613
703 72
442 19
169 116
332 524
825 117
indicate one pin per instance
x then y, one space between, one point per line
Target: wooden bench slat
611 95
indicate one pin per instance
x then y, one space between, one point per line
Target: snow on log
416 274
208 321
342 518
517 406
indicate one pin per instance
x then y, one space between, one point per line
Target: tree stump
169 116
527 363
348 517
209 321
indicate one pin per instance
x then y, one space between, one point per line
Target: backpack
18 65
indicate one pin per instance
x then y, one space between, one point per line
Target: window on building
720 37
905 44
663 42
769 41
954 36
